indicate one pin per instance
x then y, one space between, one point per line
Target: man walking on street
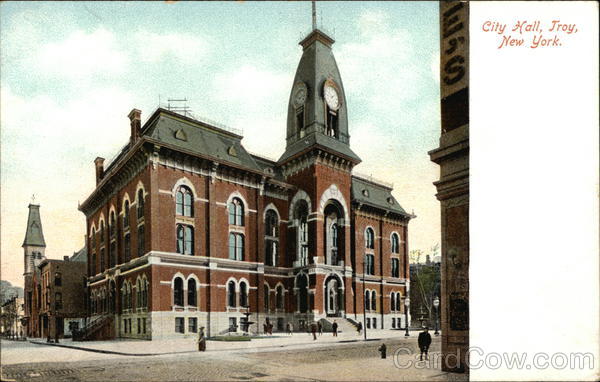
320 328
334 327
424 342
313 329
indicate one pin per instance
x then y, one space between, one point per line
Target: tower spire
314 14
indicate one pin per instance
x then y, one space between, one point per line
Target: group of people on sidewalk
318 327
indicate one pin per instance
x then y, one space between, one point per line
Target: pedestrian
313 329
334 328
291 329
424 342
383 350
201 340
56 336
359 328
266 325
320 328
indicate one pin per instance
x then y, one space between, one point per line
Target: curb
106 351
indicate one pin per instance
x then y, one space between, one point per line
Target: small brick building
187 229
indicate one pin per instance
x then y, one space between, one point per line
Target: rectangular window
393 323
141 241
192 325
374 323
368 323
113 254
395 268
127 247
124 325
232 324
179 323
139 326
58 300
58 279
144 325
102 260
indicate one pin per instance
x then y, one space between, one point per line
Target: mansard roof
80 256
376 195
199 138
34 235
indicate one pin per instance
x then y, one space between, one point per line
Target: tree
425 281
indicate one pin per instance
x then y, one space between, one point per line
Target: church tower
34 244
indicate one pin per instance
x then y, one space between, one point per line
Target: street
341 361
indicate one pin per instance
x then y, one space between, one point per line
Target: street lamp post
436 304
406 306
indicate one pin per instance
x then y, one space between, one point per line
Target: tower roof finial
314 14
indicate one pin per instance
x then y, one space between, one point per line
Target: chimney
135 118
66 258
99 162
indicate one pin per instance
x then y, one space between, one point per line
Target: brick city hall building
186 229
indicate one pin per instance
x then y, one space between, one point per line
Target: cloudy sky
71 72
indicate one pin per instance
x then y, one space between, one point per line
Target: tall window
236 212
192 300
266 297
112 224
58 279
178 292
367 300
279 297
301 215
113 254
102 232
141 241
102 260
179 325
398 306
393 302
93 264
300 122
395 268
127 246
140 203
243 294
333 234
126 214
373 300
236 246
231 294
184 202
369 238
144 293
58 300
185 239
302 293
370 264
395 243
271 238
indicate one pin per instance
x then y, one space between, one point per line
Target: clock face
300 96
331 97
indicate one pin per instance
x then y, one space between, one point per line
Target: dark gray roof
375 195
80 256
34 235
316 140
198 137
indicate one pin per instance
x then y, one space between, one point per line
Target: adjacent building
187 229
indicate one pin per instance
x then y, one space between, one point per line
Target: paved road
353 361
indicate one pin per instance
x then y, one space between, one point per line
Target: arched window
185 239
113 224
279 297
145 293
373 300
395 243
395 268
266 297
302 293
393 302
236 212
138 293
184 205
398 306
367 300
370 264
141 241
178 292
236 246
369 238
192 294
271 238
231 294
243 294
127 246
301 215
140 203
102 231
126 214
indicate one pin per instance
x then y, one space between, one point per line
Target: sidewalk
128 347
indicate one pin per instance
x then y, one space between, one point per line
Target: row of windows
178 292
370 240
180 325
370 300
141 295
278 297
141 325
112 253
112 222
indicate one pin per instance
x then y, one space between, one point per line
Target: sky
71 72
